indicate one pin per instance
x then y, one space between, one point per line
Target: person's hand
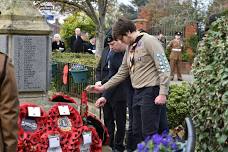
95 89
98 83
100 102
160 99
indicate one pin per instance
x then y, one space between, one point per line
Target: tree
172 13
79 20
112 14
217 6
128 11
139 3
95 9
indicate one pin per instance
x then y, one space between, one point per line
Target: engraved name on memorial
30 63
3 43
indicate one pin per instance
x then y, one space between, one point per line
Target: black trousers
148 118
115 117
131 143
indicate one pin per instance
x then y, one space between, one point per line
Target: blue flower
156 148
165 132
170 139
147 139
165 142
174 146
157 139
146 149
140 147
157 143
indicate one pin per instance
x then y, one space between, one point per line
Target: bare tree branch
87 7
105 4
93 13
90 12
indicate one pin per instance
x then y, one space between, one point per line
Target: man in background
86 43
8 106
162 39
76 42
124 90
175 47
114 100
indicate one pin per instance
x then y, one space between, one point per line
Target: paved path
185 77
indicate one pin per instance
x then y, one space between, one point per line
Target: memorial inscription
3 43
30 62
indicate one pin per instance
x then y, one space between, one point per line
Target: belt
176 50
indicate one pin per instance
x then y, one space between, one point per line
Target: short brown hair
121 27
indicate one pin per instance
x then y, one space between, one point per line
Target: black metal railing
71 88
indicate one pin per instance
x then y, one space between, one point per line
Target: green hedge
80 58
209 92
177 104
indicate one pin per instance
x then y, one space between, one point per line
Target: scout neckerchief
132 52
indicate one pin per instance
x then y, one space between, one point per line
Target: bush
209 91
185 56
80 58
192 42
177 104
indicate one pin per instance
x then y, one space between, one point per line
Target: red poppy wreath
96 145
30 128
61 97
64 123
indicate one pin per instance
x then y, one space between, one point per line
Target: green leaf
222 139
225 97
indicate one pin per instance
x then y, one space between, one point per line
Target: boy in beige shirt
149 70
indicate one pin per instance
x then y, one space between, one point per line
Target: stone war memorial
24 36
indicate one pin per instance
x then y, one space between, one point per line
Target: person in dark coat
87 46
115 99
57 44
76 42
92 45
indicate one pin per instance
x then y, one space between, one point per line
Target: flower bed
169 142
161 143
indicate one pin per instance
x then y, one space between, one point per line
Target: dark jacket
88 47
56 46
119 92
102 70
76 45
8 106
